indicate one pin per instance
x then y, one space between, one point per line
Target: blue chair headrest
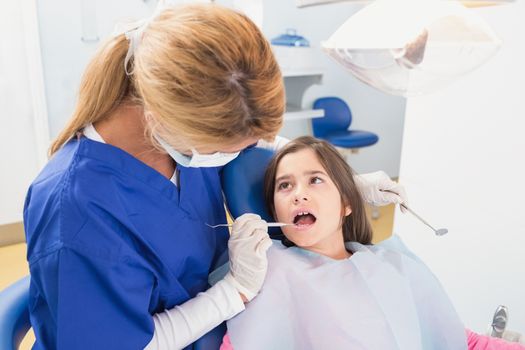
337 116
243 184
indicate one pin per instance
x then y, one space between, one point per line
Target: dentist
118 246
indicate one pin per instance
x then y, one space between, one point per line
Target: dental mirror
438 232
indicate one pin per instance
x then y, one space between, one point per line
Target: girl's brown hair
356 227
204 74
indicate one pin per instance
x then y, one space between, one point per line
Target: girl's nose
300 193
300 199
300 196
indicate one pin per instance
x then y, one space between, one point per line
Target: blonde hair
204 74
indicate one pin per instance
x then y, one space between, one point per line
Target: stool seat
351 138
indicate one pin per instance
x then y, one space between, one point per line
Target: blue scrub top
111 241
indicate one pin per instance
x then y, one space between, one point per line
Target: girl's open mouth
304 220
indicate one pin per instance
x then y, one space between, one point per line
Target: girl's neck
342 255
339 254
334 249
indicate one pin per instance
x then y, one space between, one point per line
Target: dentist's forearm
185 323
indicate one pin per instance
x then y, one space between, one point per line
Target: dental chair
243 187
14 314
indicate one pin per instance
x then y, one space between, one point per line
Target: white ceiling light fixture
467 3
412 47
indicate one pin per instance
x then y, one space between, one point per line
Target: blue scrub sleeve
100 303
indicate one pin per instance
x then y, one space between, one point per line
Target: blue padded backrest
14 314
243 184
337 116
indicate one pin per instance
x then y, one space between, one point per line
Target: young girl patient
327 286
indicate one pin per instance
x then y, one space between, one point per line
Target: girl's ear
348 210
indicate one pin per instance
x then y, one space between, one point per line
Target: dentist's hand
247 248
378 189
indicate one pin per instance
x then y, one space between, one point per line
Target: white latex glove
247 248
378 189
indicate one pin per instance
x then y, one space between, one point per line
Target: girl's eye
283 186
316 180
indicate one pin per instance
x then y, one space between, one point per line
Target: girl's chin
302 240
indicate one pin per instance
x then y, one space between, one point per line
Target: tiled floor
13 264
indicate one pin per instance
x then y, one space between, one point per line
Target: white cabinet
296 83
299 73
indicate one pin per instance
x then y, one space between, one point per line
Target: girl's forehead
304 160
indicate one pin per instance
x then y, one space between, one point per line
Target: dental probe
270 224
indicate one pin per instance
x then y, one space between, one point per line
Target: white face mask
197 160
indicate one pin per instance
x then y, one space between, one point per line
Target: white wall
64 53
462 164
65 57
23 131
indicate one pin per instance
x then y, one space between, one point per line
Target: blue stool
334 126
14 314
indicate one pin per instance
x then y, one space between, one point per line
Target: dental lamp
412 47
